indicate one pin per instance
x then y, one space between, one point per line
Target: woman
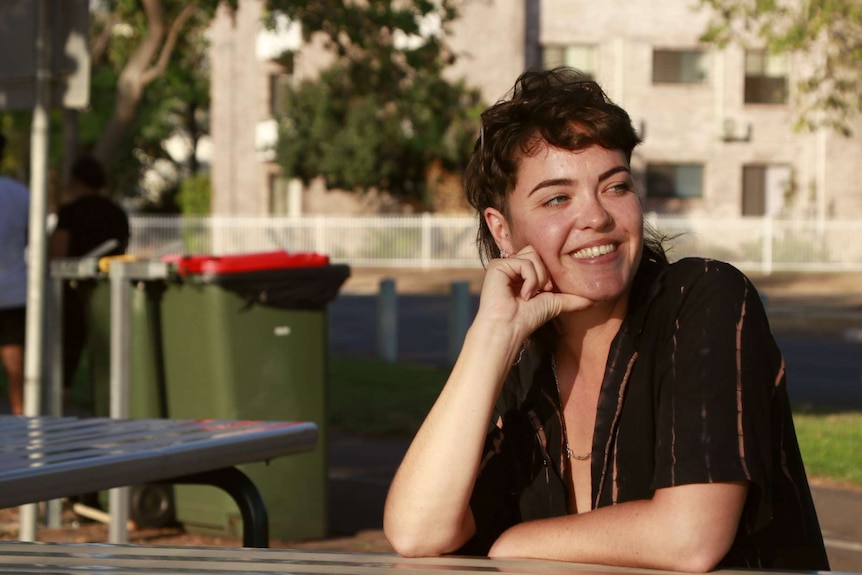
638 409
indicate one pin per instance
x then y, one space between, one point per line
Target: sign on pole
70 53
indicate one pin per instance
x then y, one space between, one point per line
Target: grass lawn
390 400
830 445
375 398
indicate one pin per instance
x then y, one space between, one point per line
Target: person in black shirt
84 223
607 406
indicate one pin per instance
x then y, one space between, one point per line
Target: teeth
593 252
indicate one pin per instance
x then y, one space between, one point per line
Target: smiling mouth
594 251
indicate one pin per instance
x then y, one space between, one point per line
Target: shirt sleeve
715 401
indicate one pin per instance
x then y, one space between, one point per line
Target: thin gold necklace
569 452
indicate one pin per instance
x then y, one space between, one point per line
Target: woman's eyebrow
551 183
615 170
569 181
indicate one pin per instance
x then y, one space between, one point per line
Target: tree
360 137
827 32
195 196
382 114
150 81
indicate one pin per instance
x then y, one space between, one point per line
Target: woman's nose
592 214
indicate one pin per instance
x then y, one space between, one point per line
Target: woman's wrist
495 339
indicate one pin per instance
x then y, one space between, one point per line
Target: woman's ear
499 227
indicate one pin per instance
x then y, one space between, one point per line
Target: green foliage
377 119
359 133
194 197
175 102
827 32
382 113
15 128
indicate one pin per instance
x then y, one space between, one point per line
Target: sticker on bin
282 330
251 262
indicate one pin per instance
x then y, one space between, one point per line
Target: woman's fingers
518 292
524 273
538 279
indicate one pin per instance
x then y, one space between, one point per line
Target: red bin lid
187 264
237 263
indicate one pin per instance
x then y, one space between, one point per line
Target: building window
679 67
764 189
279 200
765 78
279 86
579 56
674 181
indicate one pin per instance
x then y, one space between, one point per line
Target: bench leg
255 523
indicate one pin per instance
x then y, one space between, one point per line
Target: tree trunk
139 71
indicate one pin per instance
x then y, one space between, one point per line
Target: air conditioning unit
731 131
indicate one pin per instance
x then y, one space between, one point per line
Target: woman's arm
427 509
683 528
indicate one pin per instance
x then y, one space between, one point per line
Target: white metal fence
427 241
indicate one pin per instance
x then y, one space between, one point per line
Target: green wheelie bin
245 338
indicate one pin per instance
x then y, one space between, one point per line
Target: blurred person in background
85 221
14 218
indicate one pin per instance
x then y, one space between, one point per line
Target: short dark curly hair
559 106
89 171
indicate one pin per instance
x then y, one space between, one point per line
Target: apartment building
717 124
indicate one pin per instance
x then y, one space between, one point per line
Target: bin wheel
152 505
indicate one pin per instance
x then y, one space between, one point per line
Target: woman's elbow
700 553
414 544
409 544
424 540
698 562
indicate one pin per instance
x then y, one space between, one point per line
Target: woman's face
580 212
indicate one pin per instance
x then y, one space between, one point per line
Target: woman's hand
519 292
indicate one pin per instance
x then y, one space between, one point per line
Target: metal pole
121 275
37 252
54 510
459 318
387 321
118 499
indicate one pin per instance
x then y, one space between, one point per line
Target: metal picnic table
45 458
81 559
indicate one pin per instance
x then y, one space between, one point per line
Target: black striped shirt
694 392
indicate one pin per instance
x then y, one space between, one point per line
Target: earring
504 253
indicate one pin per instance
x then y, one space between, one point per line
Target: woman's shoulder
694 270
705 281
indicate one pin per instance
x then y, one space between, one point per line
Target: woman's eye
621 188
556 201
